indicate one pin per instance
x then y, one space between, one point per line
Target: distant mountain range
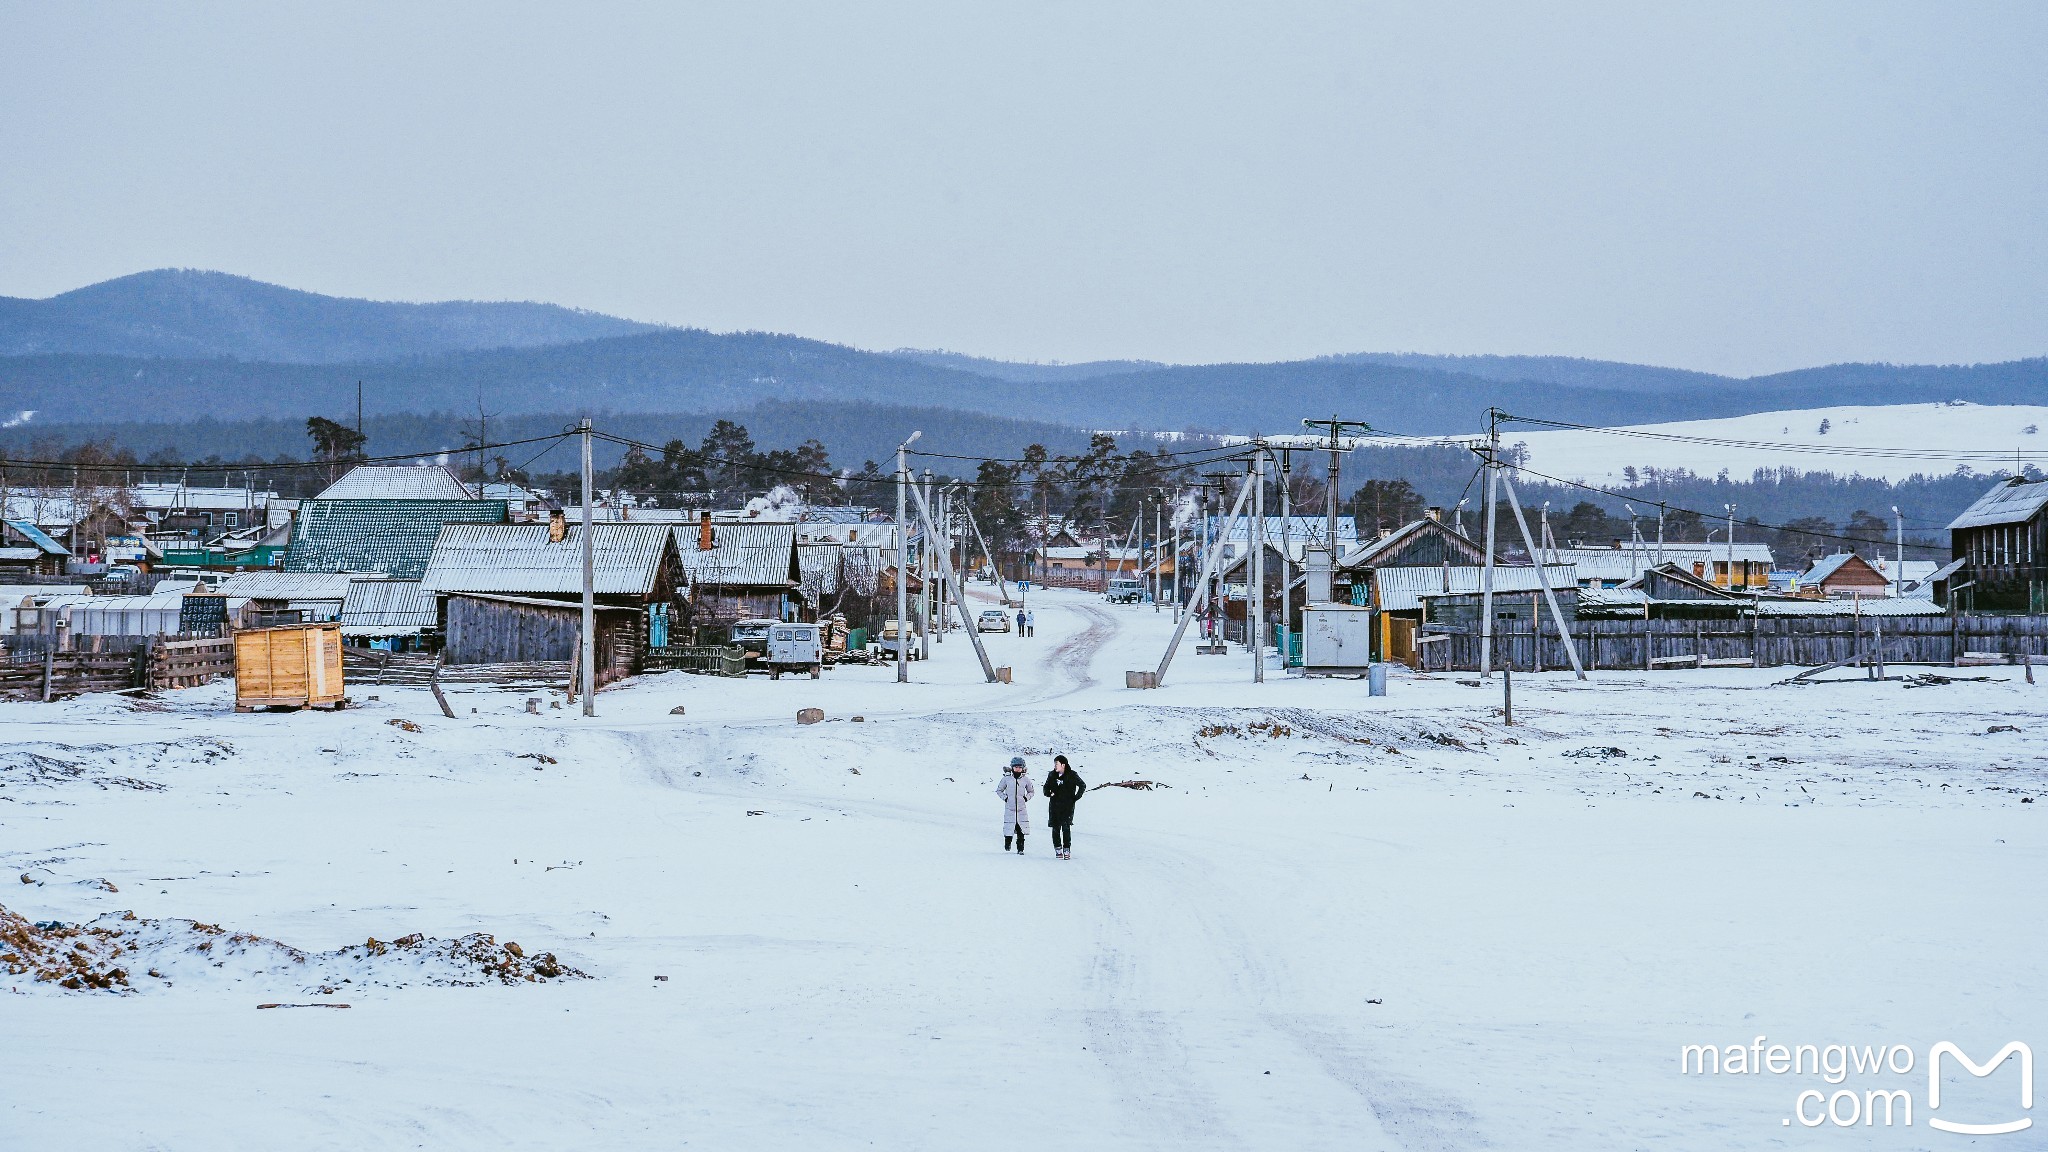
187 346
188 315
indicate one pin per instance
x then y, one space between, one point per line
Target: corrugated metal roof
1826 567
2012 502
289 585
517 558
1866 606
1362 555
401 482
38 538
759 555
389 537
818 569
1403 589
387 608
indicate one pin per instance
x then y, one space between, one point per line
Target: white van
795 648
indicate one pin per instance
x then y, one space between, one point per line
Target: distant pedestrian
1020 621
1063 789
1031 623
1016 790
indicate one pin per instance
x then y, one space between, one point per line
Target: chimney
1386 530
1436 514
558 526
705 542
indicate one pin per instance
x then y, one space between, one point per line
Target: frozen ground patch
125 953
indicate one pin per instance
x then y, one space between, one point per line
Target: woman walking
1016 791
1063 789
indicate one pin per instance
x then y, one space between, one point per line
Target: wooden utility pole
924 568
1202 599
1286 533
1486 575
902 560
587 648
1255 596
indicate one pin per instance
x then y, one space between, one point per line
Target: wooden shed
488 628
292 667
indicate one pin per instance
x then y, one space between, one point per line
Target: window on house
234 519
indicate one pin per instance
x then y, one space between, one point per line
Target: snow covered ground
1892 441
1348 923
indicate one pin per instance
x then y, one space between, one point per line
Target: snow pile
122 952
103 765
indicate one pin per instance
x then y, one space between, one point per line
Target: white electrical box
1336 639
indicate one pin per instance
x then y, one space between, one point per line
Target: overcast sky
1729 187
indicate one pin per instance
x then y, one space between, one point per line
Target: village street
1336 919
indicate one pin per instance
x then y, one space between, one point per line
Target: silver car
993 620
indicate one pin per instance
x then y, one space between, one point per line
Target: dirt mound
121 952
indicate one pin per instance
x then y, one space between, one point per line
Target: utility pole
1176 556
588 646
1286 580
1202 600
1255 596
359 409
1731 546
1486 575
1158 540
942 535
902 560
1337 429
1899 574
924 567
1219 536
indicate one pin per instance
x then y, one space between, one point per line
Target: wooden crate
298 666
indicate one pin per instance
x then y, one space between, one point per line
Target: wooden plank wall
1768 642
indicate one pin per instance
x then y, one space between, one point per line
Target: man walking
1063 789
1016 791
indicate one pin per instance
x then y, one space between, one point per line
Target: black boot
1006 843
1020 845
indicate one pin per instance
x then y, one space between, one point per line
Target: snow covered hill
1891 442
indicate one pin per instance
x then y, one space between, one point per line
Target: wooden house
27 550
740 571
2002 541
509 592
1845 575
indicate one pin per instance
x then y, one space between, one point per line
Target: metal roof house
2003 541
390 536
740 571
27 549
1846 574
388 610
512 592
401 482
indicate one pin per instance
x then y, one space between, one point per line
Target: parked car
992 620
795 648
1125 590
885 643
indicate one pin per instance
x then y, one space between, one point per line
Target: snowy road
1347 924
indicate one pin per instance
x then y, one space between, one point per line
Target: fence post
49 670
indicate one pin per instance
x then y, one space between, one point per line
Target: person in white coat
1016 790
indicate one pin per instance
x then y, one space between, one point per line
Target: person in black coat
1063 789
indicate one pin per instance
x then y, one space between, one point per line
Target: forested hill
179 346
185 314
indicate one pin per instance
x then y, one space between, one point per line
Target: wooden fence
48 675
1764 642
370 667
114 664
185 663
714 659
